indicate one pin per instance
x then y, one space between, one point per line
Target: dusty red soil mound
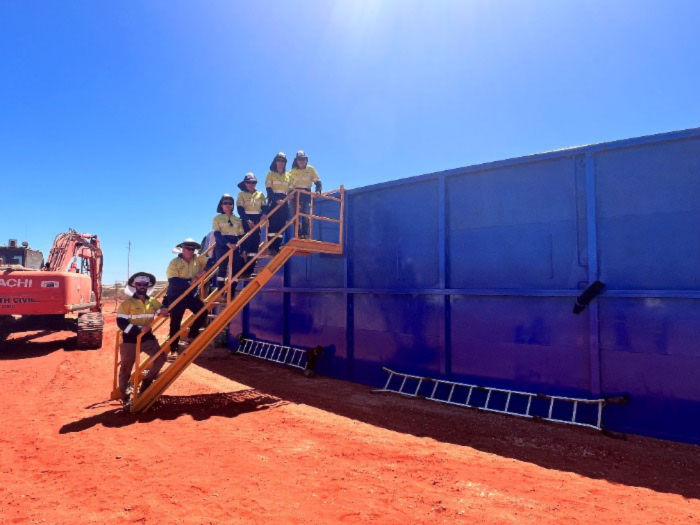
238 440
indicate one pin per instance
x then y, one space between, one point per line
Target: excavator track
90 327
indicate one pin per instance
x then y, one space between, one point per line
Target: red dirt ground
238 440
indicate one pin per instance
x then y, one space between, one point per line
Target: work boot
144 385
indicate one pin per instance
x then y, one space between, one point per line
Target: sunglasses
188 248
139 285
227 203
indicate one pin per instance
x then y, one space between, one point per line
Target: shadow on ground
27 346
199 407
662 466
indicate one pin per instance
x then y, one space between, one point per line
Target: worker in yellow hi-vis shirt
181 271
249 204
301 177
135 316
277 186
228 229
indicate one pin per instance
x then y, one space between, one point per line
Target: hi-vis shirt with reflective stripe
179 267
137 312
279 182
251 202
299 178
227 224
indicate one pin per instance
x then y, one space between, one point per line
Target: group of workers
135 314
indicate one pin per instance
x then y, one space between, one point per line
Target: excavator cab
14 255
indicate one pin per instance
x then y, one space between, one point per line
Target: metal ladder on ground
297 245
558 409
282 354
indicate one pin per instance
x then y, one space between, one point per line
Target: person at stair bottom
227 230
182 270
277 186
300 178
250 204
135 316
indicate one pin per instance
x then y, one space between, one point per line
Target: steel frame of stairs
233 305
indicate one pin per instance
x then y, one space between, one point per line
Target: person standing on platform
277 186
250 203
135 316
227 230
181 271
300 178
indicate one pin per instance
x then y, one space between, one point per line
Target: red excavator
63 293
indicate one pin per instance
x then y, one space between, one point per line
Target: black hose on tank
587 296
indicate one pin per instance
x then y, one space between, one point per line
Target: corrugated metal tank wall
471 274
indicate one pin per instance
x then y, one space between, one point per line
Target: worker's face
302 163
141 288
250 186
227 206
280 163
187 253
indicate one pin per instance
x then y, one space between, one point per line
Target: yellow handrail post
229 274
311 215
296 215
342 214
136 376
116 393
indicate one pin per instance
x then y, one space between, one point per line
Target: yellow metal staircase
232 305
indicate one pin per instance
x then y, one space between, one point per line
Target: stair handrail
212 298
230 279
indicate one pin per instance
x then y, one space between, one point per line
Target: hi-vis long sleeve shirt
299 178
133 314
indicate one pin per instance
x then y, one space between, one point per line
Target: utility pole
128 263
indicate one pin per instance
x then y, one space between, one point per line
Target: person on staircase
277 186
135 316
227 230
300 178
250 204
188 265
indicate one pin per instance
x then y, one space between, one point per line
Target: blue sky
130 119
